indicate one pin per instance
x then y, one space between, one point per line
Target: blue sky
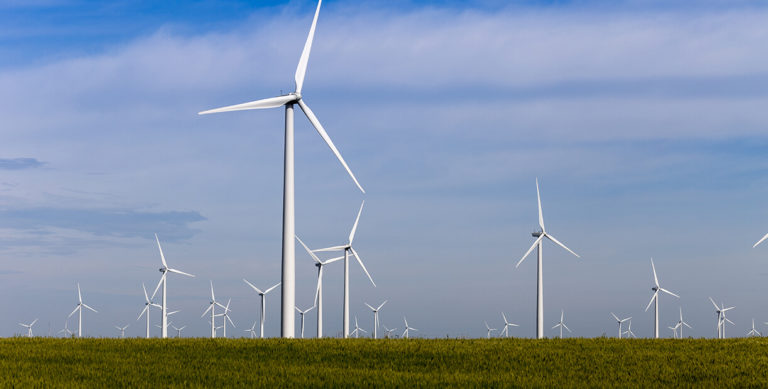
644 122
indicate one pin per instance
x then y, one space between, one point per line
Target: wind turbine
629 332
164 281
122 330
263 304
720 311
620 321
226 316
407 328
674 330
289 227
212 308
319 292
507 324
29 327
682 323
302 317
655 298
347 248
561 324
252 330
754 332
148 304
79 309
388 331
376 318
490 330
66 330
725 319
178 330
358 329
540 235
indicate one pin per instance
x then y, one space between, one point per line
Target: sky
644 122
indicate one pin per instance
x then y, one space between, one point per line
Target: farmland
366 362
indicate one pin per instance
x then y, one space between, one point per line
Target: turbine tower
289 228
655 298
164 281
263 303
148 304
79 309
561 324
620 321
540 235
319 292
376 318
347 249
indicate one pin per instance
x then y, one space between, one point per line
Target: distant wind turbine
358 329
122 330
507 324
561 324
347 249
754 332
490 330
226 316
629 332
620 321
289 227
252 330
148 304
178 330
682 323
302 313
263 304
319 291
164 281
376 318
79 309
212 309
540 235
388 331
655 298
29 327
674 330
407 328
66 331
720 311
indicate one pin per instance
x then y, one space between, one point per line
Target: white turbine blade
615 317
311 254
651 302
33 323
727 309
655 279
552 238
372 308
270 289
271 102
162 257
230 320
213 298
555 326
301 70
382 304
310 308
332 260
535 243
728 320
222 306
146 307
162 279
686 324
566 327
668 292
206 311
360 261
73 312
79 295
761 240
249 284
180 272
715 304
319 127
171 313
505 318
146 296
538 197
354 226
334 248
90 308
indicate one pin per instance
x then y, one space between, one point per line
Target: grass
364 362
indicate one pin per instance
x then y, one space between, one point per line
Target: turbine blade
360 261
206 311
270 289
180 272
271 102
332 260
354 226
761 240
249 284
668 292
535 243
715 304
382 304
652 298
311 254
213 298
319 127
73 312
655 279
319 282
85 305
158 285
566 327
552 238
301 70
79 295
369 306
538 197
162 257
334 248
146 307
146 296
615 317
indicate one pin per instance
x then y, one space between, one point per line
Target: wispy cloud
20 163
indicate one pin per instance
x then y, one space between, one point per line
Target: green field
364 362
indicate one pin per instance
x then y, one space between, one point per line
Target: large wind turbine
376 318
302 313
263 303
29 327
164 281
507 324
148 304
289 228
561 324
319 292
540 235
620 321
347 249
655 298
79 308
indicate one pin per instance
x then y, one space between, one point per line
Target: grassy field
364 362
